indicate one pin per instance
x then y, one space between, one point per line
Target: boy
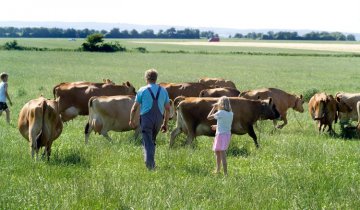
4 95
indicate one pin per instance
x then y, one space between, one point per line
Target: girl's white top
2 92
224 121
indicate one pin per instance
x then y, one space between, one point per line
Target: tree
238 35
93 42
134 33
114 33
207 34
350 37
147 34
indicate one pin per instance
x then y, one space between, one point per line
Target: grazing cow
108 81
219 82
39 122
73 97
192 116
188 89
218 92
282 100
112 113
323 109
348 106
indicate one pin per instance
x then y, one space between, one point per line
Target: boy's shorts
3 106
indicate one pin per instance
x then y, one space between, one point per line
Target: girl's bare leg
224 162
218 161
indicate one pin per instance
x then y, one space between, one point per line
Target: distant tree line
171 33
285 35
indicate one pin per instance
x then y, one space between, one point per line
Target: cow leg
319 125
252 134
47 151
106 135
190 139
34 137
330 130
173 135
87 131
283 118
275 123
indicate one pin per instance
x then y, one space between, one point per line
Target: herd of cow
108 106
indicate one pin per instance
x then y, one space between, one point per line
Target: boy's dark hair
3 75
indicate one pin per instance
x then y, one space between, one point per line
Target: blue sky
327 15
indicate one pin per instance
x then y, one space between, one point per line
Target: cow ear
338 99
123 84
301 96
128 84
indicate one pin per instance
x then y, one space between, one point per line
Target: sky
329 15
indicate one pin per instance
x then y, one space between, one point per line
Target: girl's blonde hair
224 104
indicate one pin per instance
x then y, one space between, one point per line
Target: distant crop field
336 47
295 168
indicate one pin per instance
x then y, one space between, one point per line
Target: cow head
131 88
341 105
268 110
299 101
108 81
203 93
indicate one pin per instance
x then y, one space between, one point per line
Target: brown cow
39 122
219 82
218 92
188 89
192 117
282 100
323 109
73 97
108 81
112 113
347 106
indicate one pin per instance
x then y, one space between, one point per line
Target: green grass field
295 168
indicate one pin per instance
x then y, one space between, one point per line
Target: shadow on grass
238 152
72 158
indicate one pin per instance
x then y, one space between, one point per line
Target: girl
4 95
224 117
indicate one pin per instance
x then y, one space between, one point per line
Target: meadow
295 168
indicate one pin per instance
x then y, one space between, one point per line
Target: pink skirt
221 141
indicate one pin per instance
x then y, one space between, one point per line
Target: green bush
309 93
95 43
141 49
12 45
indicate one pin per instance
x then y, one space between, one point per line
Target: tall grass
295 168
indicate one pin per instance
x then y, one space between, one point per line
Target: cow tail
44 112
86 131
40 134
91 102
54 91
